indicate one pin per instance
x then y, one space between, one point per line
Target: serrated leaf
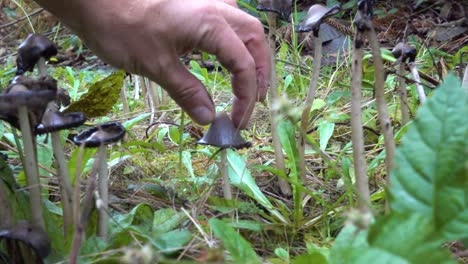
100 98
430 176
240 249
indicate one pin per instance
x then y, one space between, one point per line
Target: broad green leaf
187 161
100 98
430 174
325 130
289 143
318 104
241 177
166 220
174 135
172 240
240 249
140 216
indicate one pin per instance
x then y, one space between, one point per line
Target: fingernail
202 115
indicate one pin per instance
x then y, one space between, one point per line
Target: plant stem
309 100
103 181
224 170
357 134
123 98
7 218
30 167
419 87
403 95
465 79
42 67
285 188
379 75
64 181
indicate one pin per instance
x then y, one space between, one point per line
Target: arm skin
147 37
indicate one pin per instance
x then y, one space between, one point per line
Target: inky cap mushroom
281 7
31 50
315 16
35 100
223 134
404 51
30 235
54 121
102 134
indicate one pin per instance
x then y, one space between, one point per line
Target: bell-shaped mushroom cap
53 120
315 16
102 134
31 50
404 51
30 235
223 134
281 7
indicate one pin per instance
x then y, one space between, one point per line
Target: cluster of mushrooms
32 105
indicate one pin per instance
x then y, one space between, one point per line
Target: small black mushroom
281 7
223 134
404 52
30 235
315 16
100 136
35 47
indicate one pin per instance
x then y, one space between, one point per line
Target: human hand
147 37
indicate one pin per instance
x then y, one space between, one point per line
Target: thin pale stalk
419 87
64 182
103 182
123 98
77 190
30 166
379 75
465 79
357 134
224 170
309 100
279 157
154 98
403 95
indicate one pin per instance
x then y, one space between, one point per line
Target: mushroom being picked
223 134
315 16
21 107
99 137
35 49
406 53
52 122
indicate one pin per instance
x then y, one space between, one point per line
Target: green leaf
187 161
100 98
166 220
240 176
132 122
173 240
325 130
430 176
240 249
288 142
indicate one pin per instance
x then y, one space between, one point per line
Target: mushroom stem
465 79
357 134
419 87
42 67
379 76
103 191
403 95
310 99
285 188
225 171
64 181
30 166
123 97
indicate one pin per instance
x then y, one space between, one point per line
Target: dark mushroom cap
31 50
102 134
40 83
53 120
404 51
315 16
33 236
223 134
281 7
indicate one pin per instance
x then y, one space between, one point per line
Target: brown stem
379 75
279 157
357 132
309 100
